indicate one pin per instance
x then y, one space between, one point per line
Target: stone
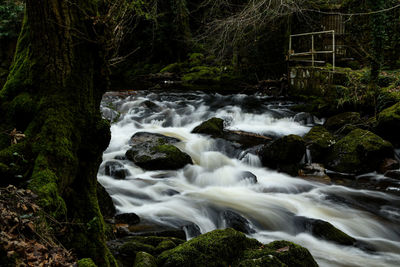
314 172
213 127
246 175
116 170
337 122
106 204
237 222
284 154
394 174
156 152
232 248
388 124
388 165
319 141
324 230
360 151
144 259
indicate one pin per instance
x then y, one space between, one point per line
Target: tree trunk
53 95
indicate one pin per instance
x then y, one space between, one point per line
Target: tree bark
53 95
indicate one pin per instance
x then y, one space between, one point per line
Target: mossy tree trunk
52 95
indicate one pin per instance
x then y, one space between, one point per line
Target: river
201 192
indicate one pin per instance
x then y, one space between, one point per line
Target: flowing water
201 192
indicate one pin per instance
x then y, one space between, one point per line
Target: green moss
165 245
86 262
319 141
327 231
216 248
177 67
294 256
213 126
144 259
360 151
338 121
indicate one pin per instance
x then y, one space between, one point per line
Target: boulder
284 154
319 142
237 222
388 165
144 259
324 230
156 152
116 170
360 151
314 172
106 204
388 124
246 175
341 120
394 174
213 127
232 248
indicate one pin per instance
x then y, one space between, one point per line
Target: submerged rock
284 154
360 151
246 175
213 127
314 172
319 142
127 218
324 230
237 222
116 170
388 124
232 248
156 152
341 120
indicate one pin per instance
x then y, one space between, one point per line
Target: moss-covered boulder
144 259
341 120
127 250
86 262
319 142
231 248
283 154
388 124
360 151
156 152
213 127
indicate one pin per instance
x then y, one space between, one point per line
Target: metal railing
313 52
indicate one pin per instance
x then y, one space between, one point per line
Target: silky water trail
214 183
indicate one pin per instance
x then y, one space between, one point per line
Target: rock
284 154
232 248
237 222
126 250
150 228
339 121
106 204
192 230
314 172
324 230
319 142
86 262
394 174
151 105
246 175
144 259
388 124
127 218
304 118
170 192
116 170
388 165
245 139
156 152
213 127
360 151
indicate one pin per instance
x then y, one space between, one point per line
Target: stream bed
200 194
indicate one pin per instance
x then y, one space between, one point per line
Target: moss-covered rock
144 259
339 121
156 152
284 154
360 151
86 262
216 248
388 124
213 127
231 248
319 142
165 245
106 204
